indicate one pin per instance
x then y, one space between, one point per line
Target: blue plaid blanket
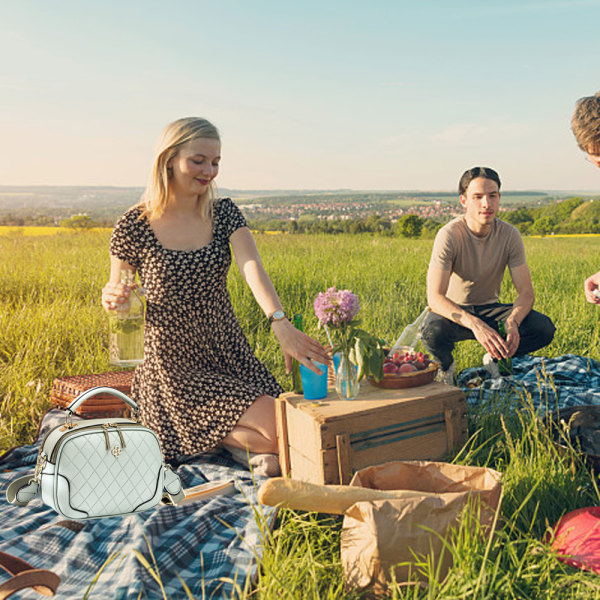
209 547
550 384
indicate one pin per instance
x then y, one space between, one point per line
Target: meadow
52 325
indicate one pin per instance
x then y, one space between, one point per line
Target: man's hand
591 285
512 337
491 340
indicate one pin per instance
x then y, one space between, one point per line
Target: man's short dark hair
474 173
586 123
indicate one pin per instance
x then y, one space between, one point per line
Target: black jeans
439 335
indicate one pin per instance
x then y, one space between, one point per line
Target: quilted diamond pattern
101 483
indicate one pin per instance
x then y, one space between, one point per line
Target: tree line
575 215
410 226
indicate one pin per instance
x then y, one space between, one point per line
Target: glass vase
346 379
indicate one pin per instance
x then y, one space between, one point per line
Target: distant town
349 210
312 211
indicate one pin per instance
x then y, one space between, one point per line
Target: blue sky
307 95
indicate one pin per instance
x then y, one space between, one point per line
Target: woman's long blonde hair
175 134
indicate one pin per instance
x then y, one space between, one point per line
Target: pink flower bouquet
336 311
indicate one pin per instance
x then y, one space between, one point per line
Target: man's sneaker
491 366
448 376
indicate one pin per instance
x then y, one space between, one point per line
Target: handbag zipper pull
105 429
120 436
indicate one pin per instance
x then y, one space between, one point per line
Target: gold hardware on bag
105 429
66 427
39 466
120 436
116 451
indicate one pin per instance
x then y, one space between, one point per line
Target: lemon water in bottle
296 379
126 327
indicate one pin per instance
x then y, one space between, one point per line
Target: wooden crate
327 441
66 389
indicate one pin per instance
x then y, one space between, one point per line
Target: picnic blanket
210 546
550 384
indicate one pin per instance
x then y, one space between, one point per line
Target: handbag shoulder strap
172 486
22 490
24 575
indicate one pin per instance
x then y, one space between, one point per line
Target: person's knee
435 333
260 419
542 330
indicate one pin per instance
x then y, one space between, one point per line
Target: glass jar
126 327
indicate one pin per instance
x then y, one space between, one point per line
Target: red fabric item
577 538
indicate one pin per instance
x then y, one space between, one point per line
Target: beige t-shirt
477 263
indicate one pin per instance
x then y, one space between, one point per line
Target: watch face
277 316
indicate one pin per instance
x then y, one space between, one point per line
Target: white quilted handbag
99 467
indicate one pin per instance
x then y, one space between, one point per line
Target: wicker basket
66 389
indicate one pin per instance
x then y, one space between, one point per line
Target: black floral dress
199 373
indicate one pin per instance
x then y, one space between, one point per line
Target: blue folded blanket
550 383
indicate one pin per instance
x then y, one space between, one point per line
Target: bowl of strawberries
406 368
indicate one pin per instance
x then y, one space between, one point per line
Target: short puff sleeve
125 238
230 217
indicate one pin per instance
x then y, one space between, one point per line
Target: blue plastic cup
314 386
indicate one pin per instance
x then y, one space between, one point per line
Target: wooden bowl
392 381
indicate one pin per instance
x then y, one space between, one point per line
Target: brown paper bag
376 536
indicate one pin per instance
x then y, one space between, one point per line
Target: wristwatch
278 315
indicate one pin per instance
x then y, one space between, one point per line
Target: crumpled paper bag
376 536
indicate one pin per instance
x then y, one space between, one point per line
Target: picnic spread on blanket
375 460
212 542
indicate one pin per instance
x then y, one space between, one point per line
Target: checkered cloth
211 545
551 383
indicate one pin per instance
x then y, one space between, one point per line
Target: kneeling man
469 257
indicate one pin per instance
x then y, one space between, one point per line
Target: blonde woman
200 384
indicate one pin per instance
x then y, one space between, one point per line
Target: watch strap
278 315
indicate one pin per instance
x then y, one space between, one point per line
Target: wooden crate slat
430 446
304 469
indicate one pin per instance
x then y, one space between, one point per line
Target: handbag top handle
99 390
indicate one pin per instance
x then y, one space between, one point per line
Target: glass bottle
126 327
410 335
296 380
505 365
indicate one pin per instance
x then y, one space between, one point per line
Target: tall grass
52 325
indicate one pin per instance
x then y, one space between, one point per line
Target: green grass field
52 325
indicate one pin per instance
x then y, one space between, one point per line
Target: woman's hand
116 295
296 344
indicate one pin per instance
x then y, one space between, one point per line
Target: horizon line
306 190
